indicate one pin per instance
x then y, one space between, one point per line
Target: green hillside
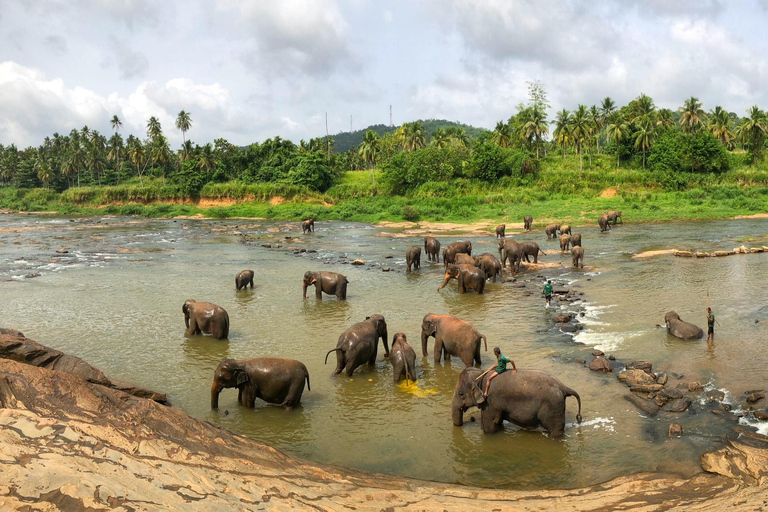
343 141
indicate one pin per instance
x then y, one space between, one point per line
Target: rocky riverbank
69 440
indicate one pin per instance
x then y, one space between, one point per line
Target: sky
250 70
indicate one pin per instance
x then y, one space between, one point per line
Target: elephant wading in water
413 258
432 248
577 254
359 345
490 266
403 358
510 250
527 221
680 329
463 259
565 241
576 240
204 317
308 226
325 282
453 337
603 223
243 279
454 248
274 380
551 230
500 230
529 399
531 249
469 277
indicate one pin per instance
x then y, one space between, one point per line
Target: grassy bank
558 192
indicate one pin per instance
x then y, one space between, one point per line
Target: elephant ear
477 394
242 378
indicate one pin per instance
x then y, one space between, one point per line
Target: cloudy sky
249 70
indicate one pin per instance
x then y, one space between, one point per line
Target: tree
153 128
644 134
607 107
562 128
369 150
413 136
116 124
536 125
206 160
664 119
616 130
579 128
43 168
719 126
501 134
596 118
692 115
754 128
184 123
440 139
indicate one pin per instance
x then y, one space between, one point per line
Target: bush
312 171
409 213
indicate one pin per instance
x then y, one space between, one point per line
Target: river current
115 300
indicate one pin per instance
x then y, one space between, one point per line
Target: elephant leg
340 363
318 291
240 395
489 419
462 288
350 369
480 287
553 422
341 291
294 394
438 349
477 354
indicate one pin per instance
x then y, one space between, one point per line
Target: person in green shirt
548 292
710 325
501 367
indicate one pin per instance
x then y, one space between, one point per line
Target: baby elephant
578 256
274 380
403 359
413 258
500 230
243 279
204 317
565 240
308 226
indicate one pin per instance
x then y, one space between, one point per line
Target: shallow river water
115 300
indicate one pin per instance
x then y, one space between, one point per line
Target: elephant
413 257
603 223
576 239
243 279
403 358
680 329
577 253
527 221
565 229
204 317
500 230
565 241
451 250
463 259
328 282
453 337
614 216
468 276
432 248
551 230
359 345
529 399
510 250
308 225
489 265
274 380
531 249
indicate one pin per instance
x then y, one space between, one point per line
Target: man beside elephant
501 367
548 292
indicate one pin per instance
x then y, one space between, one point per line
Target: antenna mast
390 117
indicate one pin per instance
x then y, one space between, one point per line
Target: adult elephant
565 241
490 266
308 226
527 221
205 317
413 258
243 279
551 230
359 345
511 251
529 399
403 358
577 255
453 337
454 248
501 230
531 249
680 329
614 216
603 223
463 259
469 277
432 248
576 239
274 380
565 229
330 283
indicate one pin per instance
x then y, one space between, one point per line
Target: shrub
409 213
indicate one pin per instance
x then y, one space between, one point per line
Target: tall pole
327 138
390 116
350 124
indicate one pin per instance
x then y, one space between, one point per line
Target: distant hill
343 141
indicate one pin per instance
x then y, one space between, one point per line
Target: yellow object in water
370 380
411 386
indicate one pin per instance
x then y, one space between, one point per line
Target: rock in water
662 378
755 396
62 251
633 378
675 430
600 365
678 405
358 262
647 406
646 366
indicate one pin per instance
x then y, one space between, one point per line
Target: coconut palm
642 106
579 128
607 107
596 118
153 128
160 153
206 160
536 126
692 115
440 139
561 132
719 125
616 129
413 136
501 134
664 119
184 123
458 135
753 130
644 134
369 150
138 156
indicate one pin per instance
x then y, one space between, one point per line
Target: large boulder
646 366
600 364
634 378
645 405
677 405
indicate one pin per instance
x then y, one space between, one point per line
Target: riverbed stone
675 430
761 415
633 378
62 251
716 394
662 378
645 405
677 405
671 393
700 254
720 253
562 318
646 388
616 366
646 366
682 254
598 353
755 396
599 364
694 387
358 262
567 327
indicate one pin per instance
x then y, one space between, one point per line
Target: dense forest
344 141
672 146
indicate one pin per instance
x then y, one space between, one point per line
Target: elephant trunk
304 289
424 338
445 282
215 390
384 341
457 411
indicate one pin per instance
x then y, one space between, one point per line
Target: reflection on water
115 300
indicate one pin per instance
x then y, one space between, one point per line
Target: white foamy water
604 424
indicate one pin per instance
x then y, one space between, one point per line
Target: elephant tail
326 356
408 371
485 342
542 252
306 375
569 392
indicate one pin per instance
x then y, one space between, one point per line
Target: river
115 300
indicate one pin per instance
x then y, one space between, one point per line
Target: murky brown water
116 298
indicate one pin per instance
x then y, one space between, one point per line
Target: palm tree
457 135
206 160
644 134
501 135
413 136
753 129
596 118
642 106
440 139
153 128
369 150
719 126
137 154
693 115
562 128
43 168
536 126
184 123
664 119
161 153
616 129
607 107
579 128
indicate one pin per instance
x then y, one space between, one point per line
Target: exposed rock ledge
67 443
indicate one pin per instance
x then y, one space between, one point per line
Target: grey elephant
451 250
527 221
403 358
577 255
463 259
680 329
602 221
565 229
330 283
529 399
308 226
274 380
510 251
576 239
531 249
432 248
468 276
453 337
501 230
243 279
205 317
551 230
565 241
489 265
359 344
614 216
413 258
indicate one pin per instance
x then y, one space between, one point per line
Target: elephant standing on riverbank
205 317
603 223
577 254
510 250
489 265
680 329
413 257
551 230
453 337
308 226
501 230
468 276
325 282
531 249
359 344
274 380
454 248
243 279
432 248
529 399
527 221
403 358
